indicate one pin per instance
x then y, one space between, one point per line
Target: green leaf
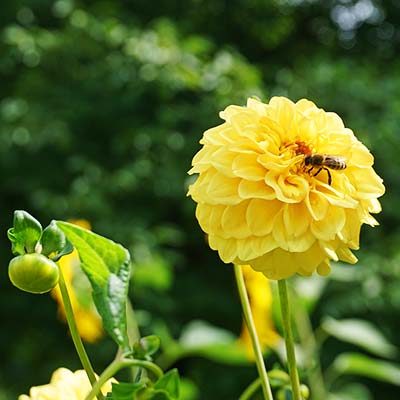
166 388
146 346
310 291
170 383
200 338
361 333
25 233
351 391
107 266
359 364
125 391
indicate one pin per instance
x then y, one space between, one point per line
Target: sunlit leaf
359 364
360 333
107 266
351 391
170 383
202 339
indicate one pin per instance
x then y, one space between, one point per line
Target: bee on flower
284 187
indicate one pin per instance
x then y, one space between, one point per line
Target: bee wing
334 159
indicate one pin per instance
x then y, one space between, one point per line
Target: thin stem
251 389
133 335
309 343
253 334
133 328
118 364
75 334
289 342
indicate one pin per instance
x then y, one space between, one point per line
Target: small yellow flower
261 203
260 297
64 385
87 318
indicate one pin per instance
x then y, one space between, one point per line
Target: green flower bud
305 391
146 346
25 233
284 394
53 240
278 378
33 273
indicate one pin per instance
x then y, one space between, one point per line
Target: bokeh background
102 105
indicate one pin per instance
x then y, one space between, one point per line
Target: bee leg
319 170
329 176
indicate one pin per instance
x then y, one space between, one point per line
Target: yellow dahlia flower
64 385
260 297
265 200
87 318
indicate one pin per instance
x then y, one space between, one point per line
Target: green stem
251 389
309 343
75 334
118 364
133 334
253 334
289 342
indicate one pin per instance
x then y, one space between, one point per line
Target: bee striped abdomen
324 162
334 162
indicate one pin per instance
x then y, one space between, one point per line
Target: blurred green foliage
102 104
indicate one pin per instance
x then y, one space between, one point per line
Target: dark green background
102 105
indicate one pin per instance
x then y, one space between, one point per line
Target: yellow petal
284 113
234 221
335 197
360 156
287 240
317 205
351 230
220 135
333 223
222 161
227 250
305 105
210 217
295 219
330 249
254 247
309 260
324 268
277 264
246 166
288 188
216 219
346 255
223 190
255 190
367 183
244 122
260 215
372 205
